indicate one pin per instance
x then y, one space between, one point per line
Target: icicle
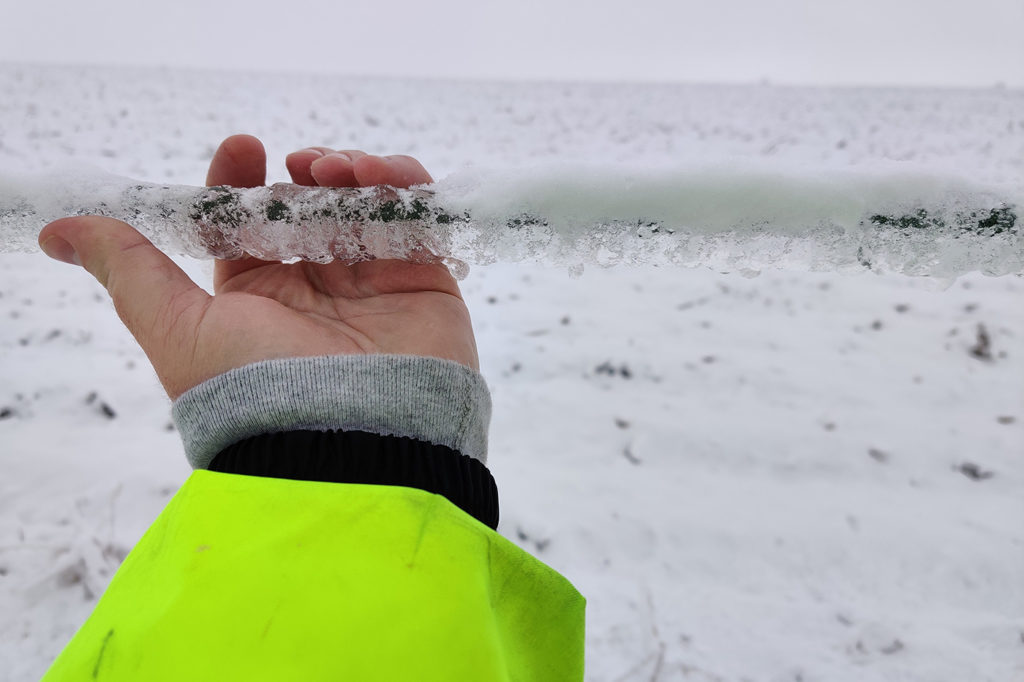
726 219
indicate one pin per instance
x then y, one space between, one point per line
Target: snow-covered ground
790 477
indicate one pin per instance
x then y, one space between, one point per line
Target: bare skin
262 310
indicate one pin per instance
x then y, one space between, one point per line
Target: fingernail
310 149
59 249
334 155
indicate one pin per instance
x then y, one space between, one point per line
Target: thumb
154 298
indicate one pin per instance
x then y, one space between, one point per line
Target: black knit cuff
360 457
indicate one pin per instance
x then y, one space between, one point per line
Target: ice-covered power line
726 217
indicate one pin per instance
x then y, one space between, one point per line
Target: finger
397 171
240 161
154 298
298 164
353 153
334 170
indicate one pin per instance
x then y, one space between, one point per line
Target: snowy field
791 477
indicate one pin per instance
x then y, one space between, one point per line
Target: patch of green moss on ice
999 220
219 206
1002 219
525 220
277 210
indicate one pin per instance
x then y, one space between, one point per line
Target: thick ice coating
726 217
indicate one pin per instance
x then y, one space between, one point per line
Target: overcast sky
842 42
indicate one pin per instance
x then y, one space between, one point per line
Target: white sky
842 42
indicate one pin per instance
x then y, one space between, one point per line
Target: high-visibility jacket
256 578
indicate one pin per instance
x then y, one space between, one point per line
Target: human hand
262 310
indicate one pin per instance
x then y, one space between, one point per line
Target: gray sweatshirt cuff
428 399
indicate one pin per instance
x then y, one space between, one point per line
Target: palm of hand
277 310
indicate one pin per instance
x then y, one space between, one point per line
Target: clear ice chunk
728 218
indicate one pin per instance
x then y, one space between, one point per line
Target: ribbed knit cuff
427 399
370 459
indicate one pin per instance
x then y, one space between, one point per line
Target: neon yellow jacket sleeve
251 578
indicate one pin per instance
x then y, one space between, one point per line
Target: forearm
261 578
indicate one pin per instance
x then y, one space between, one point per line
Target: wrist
427 399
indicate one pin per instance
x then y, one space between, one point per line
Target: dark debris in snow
973 471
